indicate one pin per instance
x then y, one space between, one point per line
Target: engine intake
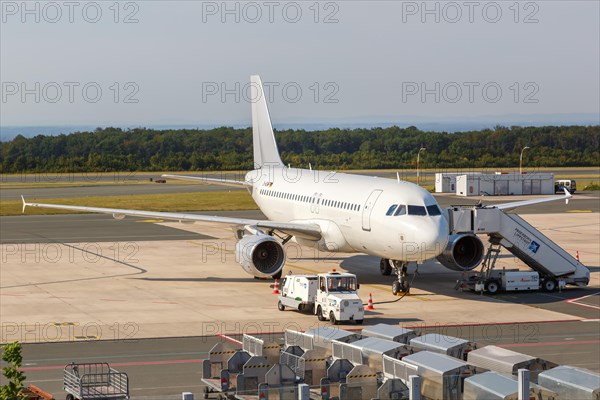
260 255
463 253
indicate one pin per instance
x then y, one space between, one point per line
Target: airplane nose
436 238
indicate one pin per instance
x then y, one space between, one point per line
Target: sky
145 63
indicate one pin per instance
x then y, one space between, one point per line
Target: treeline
114 149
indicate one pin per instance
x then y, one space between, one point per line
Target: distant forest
141 149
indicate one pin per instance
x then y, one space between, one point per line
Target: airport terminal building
496 184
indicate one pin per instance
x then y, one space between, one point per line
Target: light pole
418 159
521 160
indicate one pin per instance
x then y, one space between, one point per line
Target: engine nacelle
260 255
463 253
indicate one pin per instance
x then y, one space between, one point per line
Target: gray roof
437 341
499 359
376 345
437 362
493 382
327 333
572 376
385 330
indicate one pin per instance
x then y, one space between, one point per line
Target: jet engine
261 256
463 253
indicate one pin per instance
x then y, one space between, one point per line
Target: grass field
174 202
205 201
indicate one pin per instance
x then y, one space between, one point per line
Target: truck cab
331 296
337 298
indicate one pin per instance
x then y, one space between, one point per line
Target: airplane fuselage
383 217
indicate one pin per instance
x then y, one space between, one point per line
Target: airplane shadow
207 279
435 278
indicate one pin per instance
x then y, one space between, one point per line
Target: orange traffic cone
276 287
370 303
577 255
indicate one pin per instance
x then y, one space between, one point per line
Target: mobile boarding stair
555 266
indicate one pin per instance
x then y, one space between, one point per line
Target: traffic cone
577 255
370 303
276 287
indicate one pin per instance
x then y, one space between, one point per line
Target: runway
69 228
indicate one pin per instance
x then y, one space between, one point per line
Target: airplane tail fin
265 147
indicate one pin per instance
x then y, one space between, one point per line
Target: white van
568 184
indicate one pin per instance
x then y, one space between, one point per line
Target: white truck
509 280
331 295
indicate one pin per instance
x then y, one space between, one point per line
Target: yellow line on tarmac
579 211
153 221
302 268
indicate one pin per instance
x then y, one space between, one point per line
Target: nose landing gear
398 268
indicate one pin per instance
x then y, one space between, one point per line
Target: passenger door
368 209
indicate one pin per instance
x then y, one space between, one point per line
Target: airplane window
401 210
391 210
434 210
416 210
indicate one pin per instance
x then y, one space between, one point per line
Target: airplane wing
515 204
306 231
203 179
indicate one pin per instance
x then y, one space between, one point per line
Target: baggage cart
94 381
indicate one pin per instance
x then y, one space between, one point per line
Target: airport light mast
418 160
521 160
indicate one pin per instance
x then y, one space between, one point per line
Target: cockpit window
391 210
433 210
401 210
416 210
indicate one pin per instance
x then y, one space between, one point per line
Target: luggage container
498 359
390 332
369 351
571 382
496 386
442 376
451 346
319 337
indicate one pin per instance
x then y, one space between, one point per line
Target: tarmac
152 297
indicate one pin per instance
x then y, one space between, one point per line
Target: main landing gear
398 268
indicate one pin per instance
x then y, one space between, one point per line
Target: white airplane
398 221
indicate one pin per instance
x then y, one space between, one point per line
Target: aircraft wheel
396 288
384 267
